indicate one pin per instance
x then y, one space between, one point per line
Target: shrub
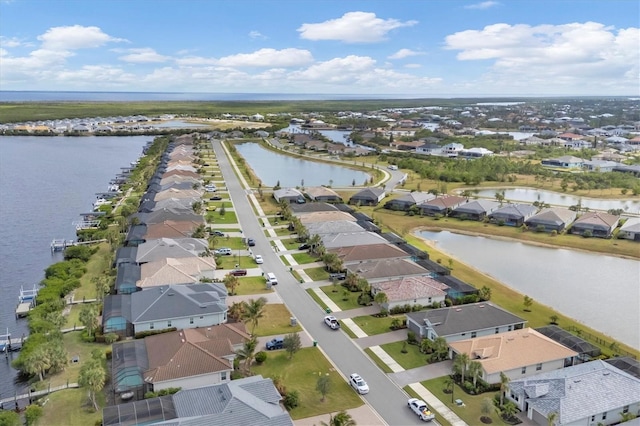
261 357
110 338
411 337
291 400
143 334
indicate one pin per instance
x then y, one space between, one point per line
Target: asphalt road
385 396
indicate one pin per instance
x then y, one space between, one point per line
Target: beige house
325 216
423 291
518 354
186 270
357 254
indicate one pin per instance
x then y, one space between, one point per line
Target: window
473 334
510 327
604 416
524 370
538 367
497 330
625 409
151 326
593 418
201 317
223 375
191 320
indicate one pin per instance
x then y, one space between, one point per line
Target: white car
258 259
332 322
419 407
358 384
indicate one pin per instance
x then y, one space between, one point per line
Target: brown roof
191 352
511 350
385 268
177 193
170 229
181 173
598 218
368 252
445 201
407 288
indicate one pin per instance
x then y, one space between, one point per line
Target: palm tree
460 364
504 386
341 418
38 362
484 293
475 369
509 410
93 377
381 298
551 418
247 353
253 311
89 318
440 349
314 242
231 282
486 407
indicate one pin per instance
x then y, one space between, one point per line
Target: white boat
100 202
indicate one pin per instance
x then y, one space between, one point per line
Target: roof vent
458 309
606 373
481 306
170 294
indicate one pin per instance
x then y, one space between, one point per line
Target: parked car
338 276
304 247
358 384
419 407
238 272
251 242
217 233
224 251
258 259
275 343
332 322
216 198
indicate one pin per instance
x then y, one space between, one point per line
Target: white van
393 167
271 278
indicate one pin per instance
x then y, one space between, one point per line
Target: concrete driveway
421 374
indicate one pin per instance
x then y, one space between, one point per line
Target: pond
271 167
530 195
600 291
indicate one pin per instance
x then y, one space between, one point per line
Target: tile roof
410 288
511 350
445 201
321 191
186 270
579 391
170 229
368 252
162 248
599 219
385 268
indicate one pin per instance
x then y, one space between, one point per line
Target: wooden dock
23 309
9 344
33 395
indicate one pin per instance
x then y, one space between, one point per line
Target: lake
45 183
530 195
600 291
271 167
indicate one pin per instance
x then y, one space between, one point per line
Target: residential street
385 396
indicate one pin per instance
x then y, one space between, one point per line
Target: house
249 401
474 210
333 227
441 205
583 394
429 149
586 351
290 195
564 162
127 278
381 269
136 235
170 229
452 149
162 215
472 153
601 166
517 354
630 230
177 193
322 193
162 248
405 202
184 270
598 224
356 254
299 209
551 219
324 216
180 306
423 291
463 321
346 239
512 214
368 197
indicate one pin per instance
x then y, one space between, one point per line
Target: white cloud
187 61
404 53
268 58
482 5
413 66
256 34
75 37
353 27
11 42
143 55
566 57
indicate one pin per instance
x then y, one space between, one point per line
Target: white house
474 153
452 149
585 394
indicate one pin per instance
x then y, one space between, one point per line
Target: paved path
363 415
420 374
381 339
305 340
348 322
387 359
437 405
326 300
358 312
272 298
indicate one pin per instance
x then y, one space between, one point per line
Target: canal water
600 291
45 183
272 167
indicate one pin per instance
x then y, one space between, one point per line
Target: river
602 292
45 183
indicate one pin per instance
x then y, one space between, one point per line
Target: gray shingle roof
477 206
465 318
579 391
333 227
515 211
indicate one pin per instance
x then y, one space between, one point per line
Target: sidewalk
437 405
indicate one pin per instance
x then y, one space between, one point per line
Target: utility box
294 321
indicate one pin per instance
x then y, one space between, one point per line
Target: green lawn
230 262
276 320
317 274
301 374
382 365
315 297
214 218
234 243
252 285
71 408
290 243
470 413
96 266
441 420
302 258
373 325
282 232
339 296
73 319
412 359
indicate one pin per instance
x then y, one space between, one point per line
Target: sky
410 48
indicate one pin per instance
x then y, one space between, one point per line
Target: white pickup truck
419 407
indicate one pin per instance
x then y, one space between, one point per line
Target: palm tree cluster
93 376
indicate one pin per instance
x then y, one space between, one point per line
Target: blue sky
417 48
